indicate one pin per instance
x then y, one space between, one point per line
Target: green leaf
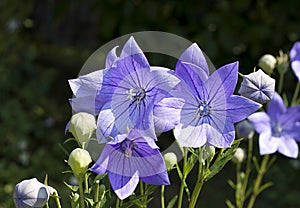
232 184
72 188
222 159
172 202
265 186
69 139
229 204
191 161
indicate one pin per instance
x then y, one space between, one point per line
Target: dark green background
45 43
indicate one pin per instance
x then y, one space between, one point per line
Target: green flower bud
170 160
267 63
208 152
82 126
79 161
282 62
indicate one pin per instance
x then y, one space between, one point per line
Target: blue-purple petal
288 147
260 121
167 114
221 136
192 135
267 143
239 108
221 84
123 186
158 179
111 58
276 107
295 59
193 55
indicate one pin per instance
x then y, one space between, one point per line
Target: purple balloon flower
127 94
209 109
277 128
258 86
130 160
295 59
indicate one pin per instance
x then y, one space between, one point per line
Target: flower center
203 109
127 146
137 95
277 130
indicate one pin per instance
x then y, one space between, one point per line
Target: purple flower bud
31 193
244 129
258 86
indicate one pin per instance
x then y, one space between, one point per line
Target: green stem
196 193
86 185
162 196
82 205
296 94
199 183
96 195
262 170
247 174
281 78
57 202
238 191
142 192
182 179
118 202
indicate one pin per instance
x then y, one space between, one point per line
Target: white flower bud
79 161
31 193
239 155
267 63
170 160
82 126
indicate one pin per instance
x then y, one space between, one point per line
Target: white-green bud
79 161
267 62
208 152
239 155
170 160
31 193
82 126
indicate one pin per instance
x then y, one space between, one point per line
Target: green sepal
172 202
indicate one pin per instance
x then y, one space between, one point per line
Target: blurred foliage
44 43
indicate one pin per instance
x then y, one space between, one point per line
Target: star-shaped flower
130 160
277 128
127 94
210 108
295 59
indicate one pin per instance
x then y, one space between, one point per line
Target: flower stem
182 179
96 194
196 193
247 173
281 78
162 196
81 193
199 183
296 94
118 202
262 170
57 202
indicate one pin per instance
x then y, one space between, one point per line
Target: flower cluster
134 101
